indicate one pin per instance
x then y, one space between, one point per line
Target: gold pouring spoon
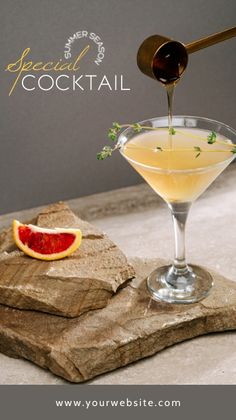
165 60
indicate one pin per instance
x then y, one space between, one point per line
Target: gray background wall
49 140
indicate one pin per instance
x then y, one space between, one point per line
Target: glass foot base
179 286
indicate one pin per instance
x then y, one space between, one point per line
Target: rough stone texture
131 327
145 230
85 280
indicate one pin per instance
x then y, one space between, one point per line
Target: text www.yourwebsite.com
86 404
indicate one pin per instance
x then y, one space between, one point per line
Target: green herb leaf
172 131
112 134
159 149
233 150
199 150
116 126
137 127
211 138
105 153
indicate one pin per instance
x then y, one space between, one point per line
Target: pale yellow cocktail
180 173
179 162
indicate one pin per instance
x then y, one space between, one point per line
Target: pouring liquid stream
170 95
167 69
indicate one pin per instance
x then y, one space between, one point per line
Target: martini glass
179 168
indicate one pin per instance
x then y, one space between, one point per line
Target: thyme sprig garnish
105 152
112 135
211 138
198 150
172 131
137 128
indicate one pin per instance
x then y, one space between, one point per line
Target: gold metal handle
210 40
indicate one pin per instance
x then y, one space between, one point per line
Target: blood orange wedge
46 244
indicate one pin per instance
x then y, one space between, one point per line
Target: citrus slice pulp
46 244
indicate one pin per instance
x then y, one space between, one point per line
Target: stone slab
207 359
84 281
131 327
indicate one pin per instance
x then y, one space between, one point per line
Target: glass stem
179 212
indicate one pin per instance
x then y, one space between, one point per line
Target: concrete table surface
139 222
